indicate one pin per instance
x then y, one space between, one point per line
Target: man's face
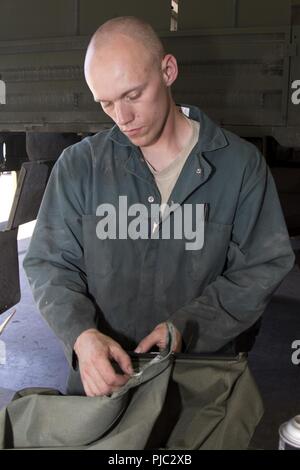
131 89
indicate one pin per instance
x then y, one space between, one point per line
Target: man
105 295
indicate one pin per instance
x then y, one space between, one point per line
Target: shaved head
131 27
130 75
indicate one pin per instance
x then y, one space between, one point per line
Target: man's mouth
132 132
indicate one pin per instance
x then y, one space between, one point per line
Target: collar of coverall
212 136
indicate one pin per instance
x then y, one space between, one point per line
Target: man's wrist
90 331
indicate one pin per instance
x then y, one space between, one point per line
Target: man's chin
142 141
139 141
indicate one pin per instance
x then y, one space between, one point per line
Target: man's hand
95 351
159 338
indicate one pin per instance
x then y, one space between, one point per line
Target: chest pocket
209 262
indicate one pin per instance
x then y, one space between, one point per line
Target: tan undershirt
166 178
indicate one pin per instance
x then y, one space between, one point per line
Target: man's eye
105 105
132 97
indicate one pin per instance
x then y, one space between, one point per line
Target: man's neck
176 134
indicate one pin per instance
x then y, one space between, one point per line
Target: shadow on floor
270 360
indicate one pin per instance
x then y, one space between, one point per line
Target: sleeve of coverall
258 258
54 263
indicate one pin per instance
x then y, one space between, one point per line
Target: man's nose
123 114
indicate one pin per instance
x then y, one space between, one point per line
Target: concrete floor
34 356
271 361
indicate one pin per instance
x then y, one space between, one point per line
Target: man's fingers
91 381
95 386
122 359
95 351
87 389
101 378
159 337
148 342
90 388
109 375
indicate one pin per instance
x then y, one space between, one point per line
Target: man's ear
169 69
